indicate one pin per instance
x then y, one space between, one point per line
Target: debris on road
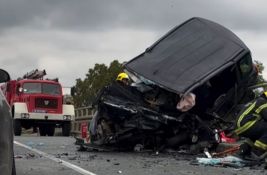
138 147
72 158
40 144
226 152
18 156
30 155
226 161
33 144
30 144
26 156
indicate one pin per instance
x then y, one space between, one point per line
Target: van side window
245 66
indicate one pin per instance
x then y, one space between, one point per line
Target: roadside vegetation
95 79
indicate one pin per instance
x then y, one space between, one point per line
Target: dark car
198 57
7 163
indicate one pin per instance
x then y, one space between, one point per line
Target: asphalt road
36 155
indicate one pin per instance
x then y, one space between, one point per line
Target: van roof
188 55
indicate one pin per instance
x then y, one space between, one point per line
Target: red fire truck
38 102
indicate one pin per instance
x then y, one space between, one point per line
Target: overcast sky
67 37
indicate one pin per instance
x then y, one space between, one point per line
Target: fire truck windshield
43 88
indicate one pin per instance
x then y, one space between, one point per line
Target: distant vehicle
199 57
7 163
38 102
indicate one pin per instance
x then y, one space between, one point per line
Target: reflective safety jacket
252 113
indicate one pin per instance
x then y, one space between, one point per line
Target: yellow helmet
122 76
265 93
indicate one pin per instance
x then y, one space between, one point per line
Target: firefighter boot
258 154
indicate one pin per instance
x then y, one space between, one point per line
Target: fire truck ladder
35 74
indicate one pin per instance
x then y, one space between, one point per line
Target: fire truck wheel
17 127
42 130
50 130
66 129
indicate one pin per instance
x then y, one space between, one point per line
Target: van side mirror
4 76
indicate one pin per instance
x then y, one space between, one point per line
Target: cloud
68 37
145 14
68 55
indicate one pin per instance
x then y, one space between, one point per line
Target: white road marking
65 163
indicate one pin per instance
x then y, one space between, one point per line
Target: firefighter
251 124
123 79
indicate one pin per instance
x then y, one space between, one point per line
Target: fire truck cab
36 102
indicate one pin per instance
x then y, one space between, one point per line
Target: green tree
260 68
96 78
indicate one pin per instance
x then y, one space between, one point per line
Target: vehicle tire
50 130
42 130
66 129
17 127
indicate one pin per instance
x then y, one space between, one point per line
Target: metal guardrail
82 115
